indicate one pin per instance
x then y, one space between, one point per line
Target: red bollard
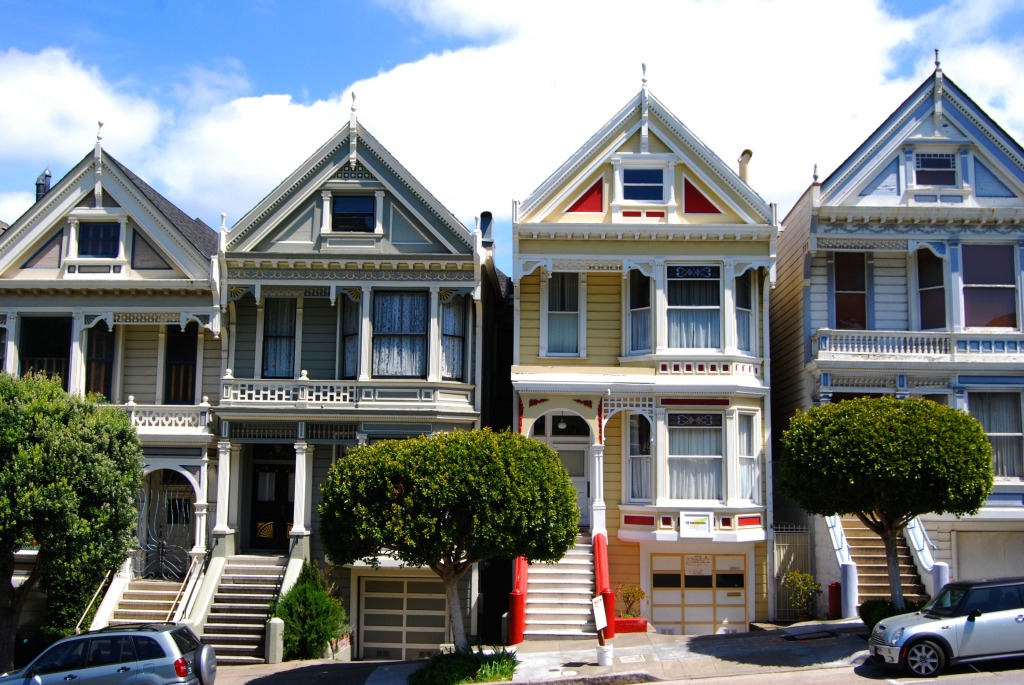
835 600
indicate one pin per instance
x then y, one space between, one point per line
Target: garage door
402 618
989 554
698 594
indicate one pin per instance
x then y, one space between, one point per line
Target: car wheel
206 664
925 659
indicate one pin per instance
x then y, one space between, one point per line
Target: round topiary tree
448 501
886 461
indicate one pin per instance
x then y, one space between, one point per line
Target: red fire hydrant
835 600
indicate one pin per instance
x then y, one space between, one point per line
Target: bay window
694 307
639 459
1000 415
639 312
279 338
750 471
453 338
695 456
743 296
400 325
563 314
990 286
931 290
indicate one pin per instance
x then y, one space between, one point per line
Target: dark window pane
988 265
933 309
851 312
98 239
353 213
46 346
698 581
726 580
99 360
180 371
642 175
643 184
667 580
929 269
639 290
850 272
935 177
990 307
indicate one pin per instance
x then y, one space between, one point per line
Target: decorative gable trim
590 200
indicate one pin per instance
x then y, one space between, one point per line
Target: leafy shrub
803 589
874 610
456 668
630 595
312 617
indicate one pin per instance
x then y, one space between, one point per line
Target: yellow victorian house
642 268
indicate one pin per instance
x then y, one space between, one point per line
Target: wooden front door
273 497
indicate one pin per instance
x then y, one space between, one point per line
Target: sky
215 103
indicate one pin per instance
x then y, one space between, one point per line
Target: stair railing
934 574
181 589
103 584
839 542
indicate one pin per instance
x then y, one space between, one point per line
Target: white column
365 343
224 468
303 489
202 505
598 520
434 336
234 492
728 308
378 212
76 367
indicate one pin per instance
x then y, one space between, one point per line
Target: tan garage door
698 594
402 618
989 554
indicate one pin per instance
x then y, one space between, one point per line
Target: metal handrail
839 543
181 589
78 626
922 545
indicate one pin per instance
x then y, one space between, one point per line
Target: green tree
886 461
448 501
70 470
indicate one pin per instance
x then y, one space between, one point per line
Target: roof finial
99 131
936 58
353 126
353 102
643 77
815 173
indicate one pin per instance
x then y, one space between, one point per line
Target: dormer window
643 185
99 239
935 169
353 213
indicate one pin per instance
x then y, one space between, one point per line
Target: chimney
744 161
486 229
42 185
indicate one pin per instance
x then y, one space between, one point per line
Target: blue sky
215 103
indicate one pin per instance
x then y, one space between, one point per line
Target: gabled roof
938 103
642 113
351 142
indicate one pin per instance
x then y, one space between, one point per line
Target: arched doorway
569 435
166 505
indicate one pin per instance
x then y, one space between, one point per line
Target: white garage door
989 554
698 594
402 618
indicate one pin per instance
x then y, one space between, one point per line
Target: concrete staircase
236 624
147 601
558 596
868 551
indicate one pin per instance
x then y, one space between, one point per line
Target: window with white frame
99 239
453 338
990 286
563 314
743 295
639 312
851 290
931 290
99 360
935 169
694 306
353 213
1000 415
695 456
278 337
182 353
750 468
351 319
400 326
639 470
643 184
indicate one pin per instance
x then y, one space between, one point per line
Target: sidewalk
637 658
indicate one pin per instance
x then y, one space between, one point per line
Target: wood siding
319 338
212 371
245 338
139 370
890 292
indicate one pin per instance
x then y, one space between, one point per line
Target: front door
574 458
273 497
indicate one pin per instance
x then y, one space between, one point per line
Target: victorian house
642 268
111 287
901 274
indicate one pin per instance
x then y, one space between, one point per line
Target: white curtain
750 473
350 320
694 316
639 312
453 337
744 313
278 337
563 313
400 334
639 458
695 463
999 413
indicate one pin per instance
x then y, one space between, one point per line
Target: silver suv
969 620
136 654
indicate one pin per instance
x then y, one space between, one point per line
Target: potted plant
630 621
803 591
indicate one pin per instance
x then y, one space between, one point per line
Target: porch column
202 505
224 468
235 494
303 489
598 522
76 366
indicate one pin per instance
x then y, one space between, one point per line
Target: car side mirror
975 613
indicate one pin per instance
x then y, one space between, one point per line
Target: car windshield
945 603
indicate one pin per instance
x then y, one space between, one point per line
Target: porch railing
169 418
829 343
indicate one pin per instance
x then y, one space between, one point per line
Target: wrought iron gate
165 507
792 551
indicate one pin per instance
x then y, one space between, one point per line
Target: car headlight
896 637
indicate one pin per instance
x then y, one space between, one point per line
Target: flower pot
604 655
631 625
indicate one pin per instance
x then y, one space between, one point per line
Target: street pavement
637 658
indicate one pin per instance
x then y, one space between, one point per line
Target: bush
312 617
804 590
455 668
874 610
630 595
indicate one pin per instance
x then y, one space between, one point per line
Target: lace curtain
400 334
639 458
750 473
563 313
999 414
695 463
453 337
350 320
694 316
639 312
